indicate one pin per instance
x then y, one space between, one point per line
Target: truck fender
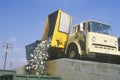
78 46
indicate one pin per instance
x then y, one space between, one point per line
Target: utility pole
7 47
10 65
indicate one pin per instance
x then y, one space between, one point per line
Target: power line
7 47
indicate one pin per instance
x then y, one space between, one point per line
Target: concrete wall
69 69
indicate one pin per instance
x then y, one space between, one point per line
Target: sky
22 21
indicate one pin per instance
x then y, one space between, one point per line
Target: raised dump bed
26 77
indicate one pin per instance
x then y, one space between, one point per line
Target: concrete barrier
69 69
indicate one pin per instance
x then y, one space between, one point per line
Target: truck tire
72 51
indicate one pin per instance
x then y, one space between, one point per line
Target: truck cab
91 39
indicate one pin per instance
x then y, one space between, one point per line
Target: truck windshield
100 28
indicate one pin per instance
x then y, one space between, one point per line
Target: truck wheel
72 51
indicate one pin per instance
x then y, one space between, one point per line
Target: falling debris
37 64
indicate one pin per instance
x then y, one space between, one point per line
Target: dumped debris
37 64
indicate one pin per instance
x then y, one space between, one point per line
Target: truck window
74 30
100 28
78 27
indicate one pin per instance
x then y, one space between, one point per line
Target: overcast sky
22 21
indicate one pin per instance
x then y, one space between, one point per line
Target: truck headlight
93 39
116 43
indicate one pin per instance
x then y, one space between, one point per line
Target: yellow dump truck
90 40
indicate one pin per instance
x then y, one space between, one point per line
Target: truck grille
104 47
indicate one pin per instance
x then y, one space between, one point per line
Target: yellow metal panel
59 38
